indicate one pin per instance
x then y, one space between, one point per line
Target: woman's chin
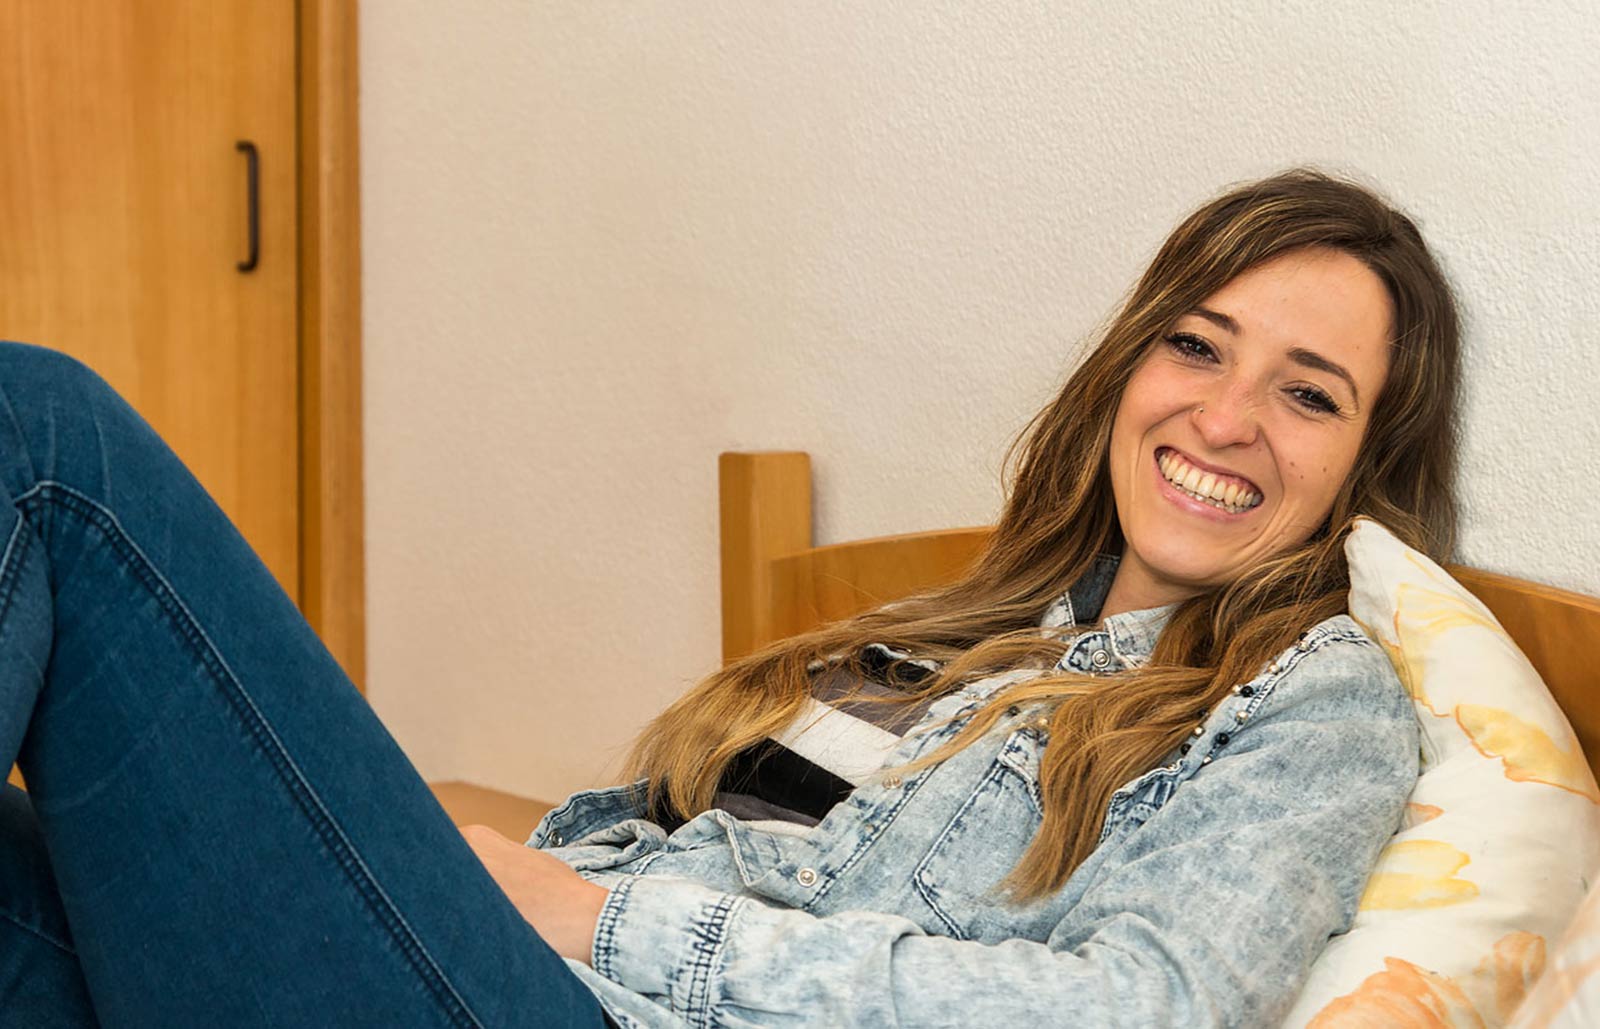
1173 564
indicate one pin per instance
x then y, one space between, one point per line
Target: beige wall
604 241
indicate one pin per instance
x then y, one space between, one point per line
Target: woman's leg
41 982
236 839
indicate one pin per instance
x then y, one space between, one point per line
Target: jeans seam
35 931
326 827
10 561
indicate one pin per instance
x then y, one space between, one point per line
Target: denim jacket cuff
665 937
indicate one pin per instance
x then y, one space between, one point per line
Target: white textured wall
604 241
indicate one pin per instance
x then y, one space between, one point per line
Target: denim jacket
1218 877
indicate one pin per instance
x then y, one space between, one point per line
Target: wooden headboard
775 583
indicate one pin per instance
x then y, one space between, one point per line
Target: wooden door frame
332 563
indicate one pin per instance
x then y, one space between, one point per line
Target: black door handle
252 166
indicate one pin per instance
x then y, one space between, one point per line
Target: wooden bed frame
776 583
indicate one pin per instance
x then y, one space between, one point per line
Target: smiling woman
1139 741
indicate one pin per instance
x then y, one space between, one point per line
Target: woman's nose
1228 418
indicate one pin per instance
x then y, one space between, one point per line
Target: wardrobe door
147 226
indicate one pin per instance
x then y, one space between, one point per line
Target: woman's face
1240 425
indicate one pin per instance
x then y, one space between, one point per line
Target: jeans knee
58 418
35 371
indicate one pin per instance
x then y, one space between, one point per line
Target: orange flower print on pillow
1407 996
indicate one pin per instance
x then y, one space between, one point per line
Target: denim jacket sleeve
1205 910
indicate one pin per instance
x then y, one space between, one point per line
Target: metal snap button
1222 739
806 877
1100 659
555 838
893 782
1247 691
1241 716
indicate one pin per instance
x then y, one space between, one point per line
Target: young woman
1132 770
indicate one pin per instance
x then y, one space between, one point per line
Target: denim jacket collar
1131 635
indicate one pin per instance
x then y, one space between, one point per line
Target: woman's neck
1136 588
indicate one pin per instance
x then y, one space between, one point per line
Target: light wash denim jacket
1218 878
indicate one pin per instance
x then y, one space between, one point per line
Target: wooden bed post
766 513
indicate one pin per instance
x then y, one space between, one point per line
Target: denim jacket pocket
959 877
1134 802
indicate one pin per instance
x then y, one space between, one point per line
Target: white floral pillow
1491 859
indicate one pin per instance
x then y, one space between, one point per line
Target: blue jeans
218 831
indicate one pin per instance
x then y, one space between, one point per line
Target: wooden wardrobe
178 208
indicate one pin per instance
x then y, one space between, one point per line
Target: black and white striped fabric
842 738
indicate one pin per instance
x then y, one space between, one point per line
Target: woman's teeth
1219 491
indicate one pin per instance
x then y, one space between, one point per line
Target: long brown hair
1059 515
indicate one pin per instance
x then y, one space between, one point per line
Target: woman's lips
1205 487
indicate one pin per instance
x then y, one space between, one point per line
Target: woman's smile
1206 489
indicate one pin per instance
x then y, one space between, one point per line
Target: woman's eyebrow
1311 359
1217 318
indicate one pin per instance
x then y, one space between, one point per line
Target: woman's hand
561 905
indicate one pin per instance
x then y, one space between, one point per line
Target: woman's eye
1314 399
1190 347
